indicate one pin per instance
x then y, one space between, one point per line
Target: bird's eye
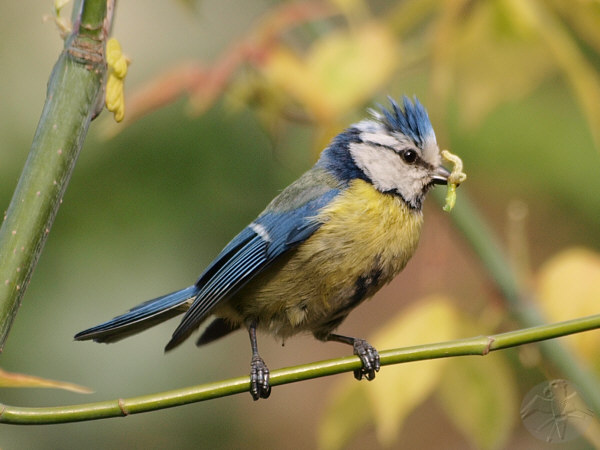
409 156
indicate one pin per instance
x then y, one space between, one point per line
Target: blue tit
325 244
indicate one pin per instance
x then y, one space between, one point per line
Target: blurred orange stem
204 83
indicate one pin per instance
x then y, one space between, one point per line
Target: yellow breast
366 238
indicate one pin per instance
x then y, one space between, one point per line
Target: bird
325 244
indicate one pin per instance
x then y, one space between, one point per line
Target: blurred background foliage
230 101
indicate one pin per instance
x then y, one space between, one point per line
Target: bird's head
395 150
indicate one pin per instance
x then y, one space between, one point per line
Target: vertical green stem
521 305
73 98
92 19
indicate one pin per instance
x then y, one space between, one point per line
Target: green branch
481 345
73 99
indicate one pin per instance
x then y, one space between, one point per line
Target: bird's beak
440 175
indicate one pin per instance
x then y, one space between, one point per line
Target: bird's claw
259 379
369 357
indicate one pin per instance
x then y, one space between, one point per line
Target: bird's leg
259 372
367 354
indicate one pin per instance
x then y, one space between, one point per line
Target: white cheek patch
387 171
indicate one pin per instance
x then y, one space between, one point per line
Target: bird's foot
369 357
259 378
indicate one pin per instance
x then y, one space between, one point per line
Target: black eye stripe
395 150
377 144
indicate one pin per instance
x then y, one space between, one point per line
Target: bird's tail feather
141 317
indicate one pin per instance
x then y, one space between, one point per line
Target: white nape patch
369 126
261 231
387 171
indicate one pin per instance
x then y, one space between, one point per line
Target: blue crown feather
411 121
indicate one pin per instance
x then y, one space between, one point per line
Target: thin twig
481 345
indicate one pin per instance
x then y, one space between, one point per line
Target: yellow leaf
344 417
401 388
569 287
479 396
356 11
20 380
340 71
397 390
496 37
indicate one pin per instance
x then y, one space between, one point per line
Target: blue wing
274 232
285 223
